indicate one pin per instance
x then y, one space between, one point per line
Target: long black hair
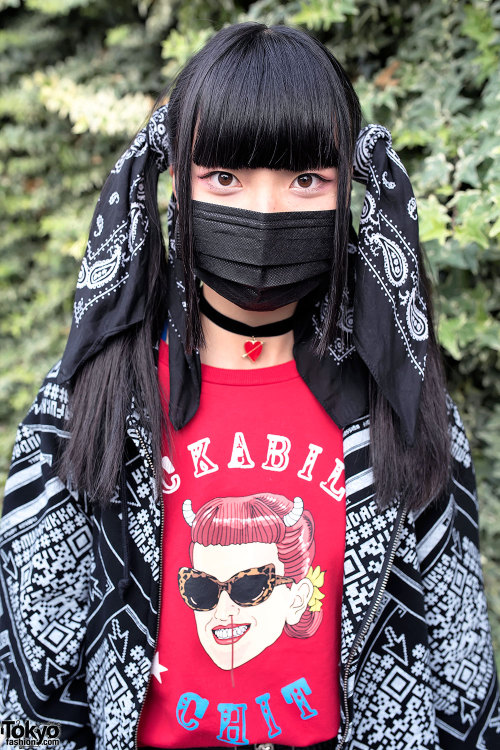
254 96
264 97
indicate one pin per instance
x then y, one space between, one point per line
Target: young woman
254 428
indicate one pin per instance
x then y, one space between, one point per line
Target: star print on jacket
157 668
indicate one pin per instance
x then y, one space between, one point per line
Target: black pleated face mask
262 261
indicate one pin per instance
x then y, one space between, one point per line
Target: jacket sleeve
45 563
463 674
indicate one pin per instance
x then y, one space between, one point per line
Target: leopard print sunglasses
247 588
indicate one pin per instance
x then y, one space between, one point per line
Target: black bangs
272 103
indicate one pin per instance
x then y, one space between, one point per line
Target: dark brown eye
224 179
305 180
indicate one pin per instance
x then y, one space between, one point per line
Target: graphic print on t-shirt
241 599
252 567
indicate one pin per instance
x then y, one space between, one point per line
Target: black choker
253 348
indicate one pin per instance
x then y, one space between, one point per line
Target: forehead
224 561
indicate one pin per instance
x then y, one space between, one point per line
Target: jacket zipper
153 472
368 621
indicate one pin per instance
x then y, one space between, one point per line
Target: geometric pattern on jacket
417 667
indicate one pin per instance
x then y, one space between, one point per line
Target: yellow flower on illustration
317 578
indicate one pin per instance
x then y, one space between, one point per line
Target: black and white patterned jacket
417 667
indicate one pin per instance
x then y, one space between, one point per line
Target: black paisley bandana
383 322
390 316
109 294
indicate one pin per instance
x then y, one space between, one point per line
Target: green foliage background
78 77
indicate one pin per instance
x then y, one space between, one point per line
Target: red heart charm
253 349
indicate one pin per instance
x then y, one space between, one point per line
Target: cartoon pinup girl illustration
252 575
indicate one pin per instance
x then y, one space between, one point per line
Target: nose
267 202
267 205
267 195
225 607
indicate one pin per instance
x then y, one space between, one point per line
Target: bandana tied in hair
383 321
110 291
390 316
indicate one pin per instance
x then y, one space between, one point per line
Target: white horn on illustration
187 512
291 518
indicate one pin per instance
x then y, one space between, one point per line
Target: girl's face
266 190
232 634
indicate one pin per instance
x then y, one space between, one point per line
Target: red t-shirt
254 519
